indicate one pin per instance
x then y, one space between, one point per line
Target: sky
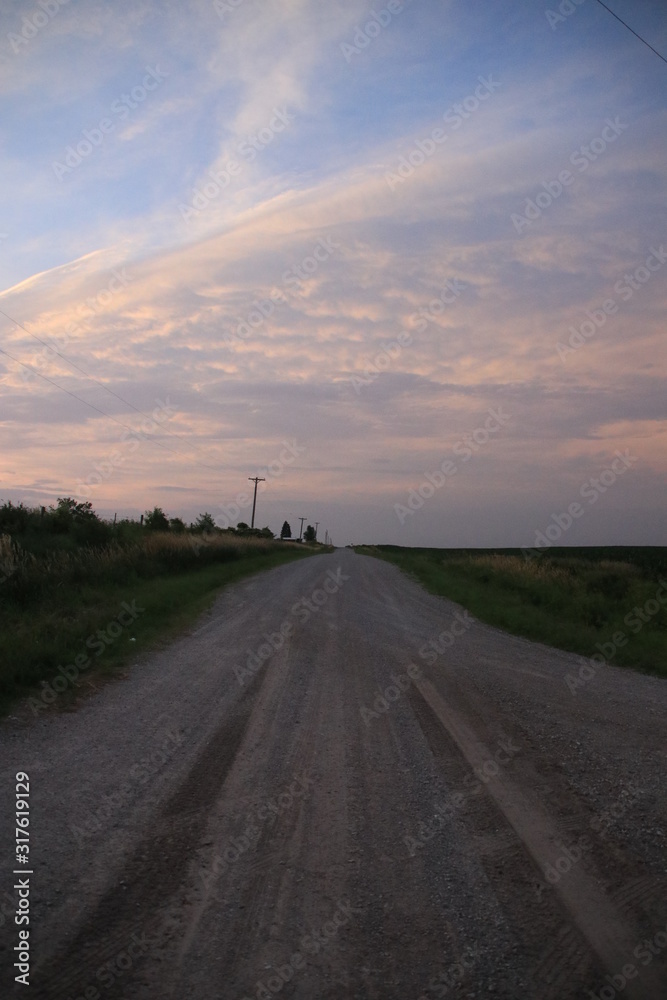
403 260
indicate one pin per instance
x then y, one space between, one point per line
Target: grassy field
71 615
609 602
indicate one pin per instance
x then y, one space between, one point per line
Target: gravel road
339 786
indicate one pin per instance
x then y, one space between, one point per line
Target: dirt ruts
337 815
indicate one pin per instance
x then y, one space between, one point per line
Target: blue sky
332 127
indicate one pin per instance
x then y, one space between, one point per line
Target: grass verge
609 603
78 635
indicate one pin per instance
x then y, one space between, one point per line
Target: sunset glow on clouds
279 236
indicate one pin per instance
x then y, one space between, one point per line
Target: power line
69 362
97 409
92 379
62 387
632 30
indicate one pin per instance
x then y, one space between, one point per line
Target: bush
14 520
156 520
205 522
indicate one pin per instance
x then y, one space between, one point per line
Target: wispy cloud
172 330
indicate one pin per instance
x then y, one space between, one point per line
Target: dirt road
340 786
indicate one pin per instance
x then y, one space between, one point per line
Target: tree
78 520
309 534
266 532
285 531
177 525
156 519
69 510
205 523
14 519
242 528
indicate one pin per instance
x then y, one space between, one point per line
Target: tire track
590 910
283 881
475 886
155 870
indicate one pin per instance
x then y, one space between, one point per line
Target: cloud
257 336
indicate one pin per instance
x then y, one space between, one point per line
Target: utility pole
255 480
316 524
302 519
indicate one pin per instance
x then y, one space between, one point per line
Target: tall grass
28 577
589 601
53 604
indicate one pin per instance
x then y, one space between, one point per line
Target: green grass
577 599
58 605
